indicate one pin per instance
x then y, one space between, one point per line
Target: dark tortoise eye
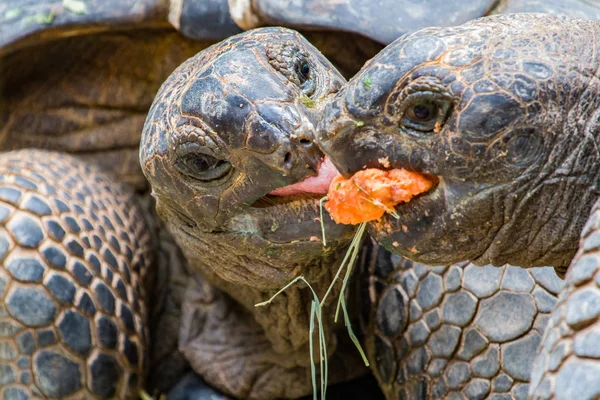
423 112
202 167
303 71
426 115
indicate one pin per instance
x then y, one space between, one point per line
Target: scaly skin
503 111
567 364
453 332
228 127
76 254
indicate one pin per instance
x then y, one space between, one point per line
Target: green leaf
43 19
13 13
367 82
307 102
359 124
75 6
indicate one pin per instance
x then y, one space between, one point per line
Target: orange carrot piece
368 194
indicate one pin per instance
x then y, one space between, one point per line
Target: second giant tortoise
503 111
87 276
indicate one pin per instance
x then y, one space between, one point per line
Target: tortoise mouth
270 200
310 188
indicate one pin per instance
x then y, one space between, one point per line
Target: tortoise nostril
305 142
287 160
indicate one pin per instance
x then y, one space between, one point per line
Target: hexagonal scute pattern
470 342
74 252
567 365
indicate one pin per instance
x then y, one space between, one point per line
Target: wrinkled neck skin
251 270
540 220
517 156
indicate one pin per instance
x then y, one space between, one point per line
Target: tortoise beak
293 133
351 144
308 151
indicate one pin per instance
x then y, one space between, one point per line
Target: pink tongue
315 184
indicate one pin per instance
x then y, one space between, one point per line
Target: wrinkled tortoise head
504 112
230 126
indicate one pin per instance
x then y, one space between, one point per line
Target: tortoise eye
426 115
423 112
303 71
202 167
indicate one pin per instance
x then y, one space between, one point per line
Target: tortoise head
503 111
228 150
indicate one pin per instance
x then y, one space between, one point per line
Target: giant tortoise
77 77
503 113
85 270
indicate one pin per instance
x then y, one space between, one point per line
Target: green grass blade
315 312
324 354
311 330
337 274
352 335
322 351
283 289
145 396
353 249
324 199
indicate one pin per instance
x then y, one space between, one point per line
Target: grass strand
323 200
311 330
317 307
353 251
352 335
283 289
315 313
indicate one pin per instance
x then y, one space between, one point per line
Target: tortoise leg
455 332
568 362
167 363
74 251
169 370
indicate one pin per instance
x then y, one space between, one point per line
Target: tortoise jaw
294 219
311 185
297 206
406 232
269 200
